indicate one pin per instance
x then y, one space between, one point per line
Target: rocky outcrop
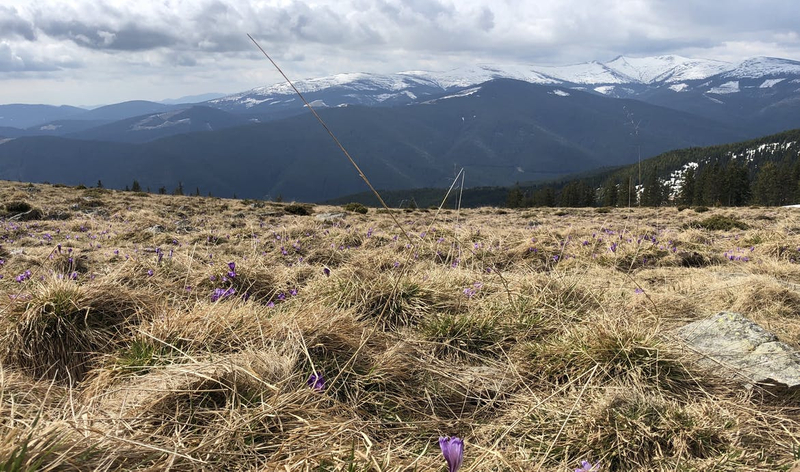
735 344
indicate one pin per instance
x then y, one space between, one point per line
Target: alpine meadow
399 236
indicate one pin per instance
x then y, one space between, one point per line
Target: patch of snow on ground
676 178
560 93
727 87
770 83
678 87
3 141
317 103
410 95
749 154
50 127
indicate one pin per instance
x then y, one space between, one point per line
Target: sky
89 53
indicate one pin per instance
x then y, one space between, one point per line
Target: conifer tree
625 197
610 193
686 194
764 191
514 197
544 197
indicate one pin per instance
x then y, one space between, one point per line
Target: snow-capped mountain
667 69
759 67
703 86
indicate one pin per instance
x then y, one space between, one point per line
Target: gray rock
729 340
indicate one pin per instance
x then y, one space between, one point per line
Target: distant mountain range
411 129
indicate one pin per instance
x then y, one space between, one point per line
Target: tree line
729 180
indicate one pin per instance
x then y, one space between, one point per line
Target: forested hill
764 171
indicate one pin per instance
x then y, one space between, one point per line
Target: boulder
730 341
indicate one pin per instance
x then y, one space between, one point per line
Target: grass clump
21 210
57 331
719 223
356 208
298 209
464 335
635 428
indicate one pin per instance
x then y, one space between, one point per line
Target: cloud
13 61
126 37
181 40
486 19
12 24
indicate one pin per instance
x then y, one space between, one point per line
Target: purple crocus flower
232 272
453 451
587 466
149 272
221 293
316 382
326 271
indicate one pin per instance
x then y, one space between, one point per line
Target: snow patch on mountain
770 83
467 76
159 120
250 102
605 89
560 93
669 68
764 66
318 104
678 87
677 177
589 73
50 127
727 87
749 154
462 93
143 125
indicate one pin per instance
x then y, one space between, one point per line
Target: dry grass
540 339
